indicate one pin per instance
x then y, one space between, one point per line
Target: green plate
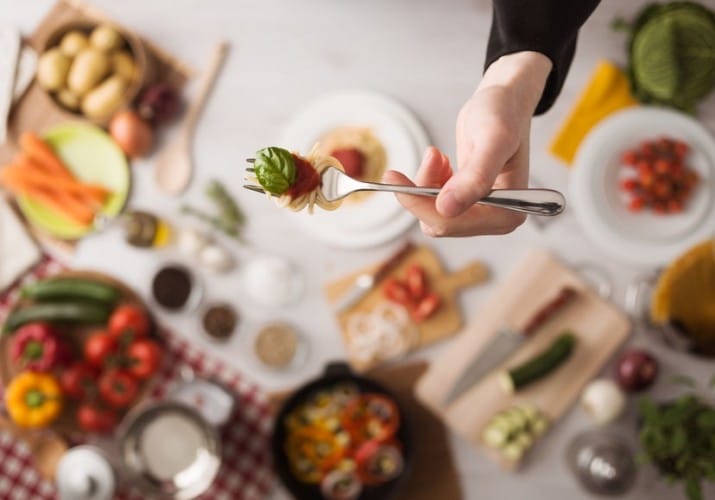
92 156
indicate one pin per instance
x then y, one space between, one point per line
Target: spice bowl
219 320
279 346
176 288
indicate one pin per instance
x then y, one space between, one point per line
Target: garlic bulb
192 241
603 400
216 258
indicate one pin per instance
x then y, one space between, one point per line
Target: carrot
93 193
42 153
65 203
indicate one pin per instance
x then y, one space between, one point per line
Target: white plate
641 238
379 218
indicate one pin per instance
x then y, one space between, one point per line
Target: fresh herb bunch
671 53
230 219
679 439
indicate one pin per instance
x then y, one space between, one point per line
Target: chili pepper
36 347
33 399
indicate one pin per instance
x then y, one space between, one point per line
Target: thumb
479 167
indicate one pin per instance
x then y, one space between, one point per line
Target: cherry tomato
118 389
94 418
370 416
129 320
143 358
396 291
416 282
630 158
99 348
78 380
636 204
629 184
426 307
681 149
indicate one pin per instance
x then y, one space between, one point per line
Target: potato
105 99
123 65
106 38
73 42
88 69
52 69
68 99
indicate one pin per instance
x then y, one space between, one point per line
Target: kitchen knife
365 282
506 341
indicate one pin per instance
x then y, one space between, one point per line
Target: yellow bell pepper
33 399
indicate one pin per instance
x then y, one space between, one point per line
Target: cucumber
58 312
71 288
539 366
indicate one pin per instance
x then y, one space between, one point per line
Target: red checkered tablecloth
245 473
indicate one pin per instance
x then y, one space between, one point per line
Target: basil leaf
275 169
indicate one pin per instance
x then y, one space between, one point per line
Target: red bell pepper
36 347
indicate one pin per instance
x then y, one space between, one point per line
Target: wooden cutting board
599 326
444 323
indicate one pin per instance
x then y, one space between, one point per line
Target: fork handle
531 201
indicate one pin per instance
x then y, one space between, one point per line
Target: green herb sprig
229 218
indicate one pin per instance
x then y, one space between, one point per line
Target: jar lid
84 473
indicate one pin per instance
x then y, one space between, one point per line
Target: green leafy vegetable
230 219
677 437
672 54
275 169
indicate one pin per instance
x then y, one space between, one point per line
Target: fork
336 185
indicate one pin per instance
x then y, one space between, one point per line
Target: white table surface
427 54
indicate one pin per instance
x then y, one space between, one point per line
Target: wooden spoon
46 447
173 168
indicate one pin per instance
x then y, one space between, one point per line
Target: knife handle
547 310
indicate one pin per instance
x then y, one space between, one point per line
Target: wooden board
445 322
599 326
37 111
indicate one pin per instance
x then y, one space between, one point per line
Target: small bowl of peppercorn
176 288
219 321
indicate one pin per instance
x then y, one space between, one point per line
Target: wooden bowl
66 425
139 52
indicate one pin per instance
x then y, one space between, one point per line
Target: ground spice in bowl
173 287
219 321
278 346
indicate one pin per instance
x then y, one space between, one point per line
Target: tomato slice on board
396 291
416 282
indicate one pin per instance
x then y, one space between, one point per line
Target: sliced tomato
378 462
370 416
396 291
416 280
426 308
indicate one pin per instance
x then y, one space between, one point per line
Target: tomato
370 416
681 149
396 291
636 204
377 462
99 348
78 380
416 282
118 389
629 184
143 358
93 418
426 307
630 158
129 320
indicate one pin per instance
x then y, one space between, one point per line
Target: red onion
636 370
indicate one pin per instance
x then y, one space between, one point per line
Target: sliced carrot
42 153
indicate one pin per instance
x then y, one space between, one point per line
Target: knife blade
365 282
506 341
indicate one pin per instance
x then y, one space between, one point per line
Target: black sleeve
546 26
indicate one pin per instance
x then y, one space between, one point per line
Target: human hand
492 153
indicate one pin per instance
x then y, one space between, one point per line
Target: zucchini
540 365
71 288
58 312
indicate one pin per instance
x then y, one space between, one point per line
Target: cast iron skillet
335 373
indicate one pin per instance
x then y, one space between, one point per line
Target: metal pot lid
170 450
84 473
212 400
